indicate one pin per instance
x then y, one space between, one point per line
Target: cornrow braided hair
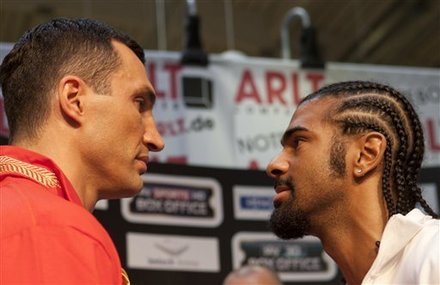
372 106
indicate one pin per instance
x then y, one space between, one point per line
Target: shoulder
422 254
426 243
34 257
41 228
427 235
26 205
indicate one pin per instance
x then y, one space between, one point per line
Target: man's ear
371 150
71 91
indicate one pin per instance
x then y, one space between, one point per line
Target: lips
282 193
143 160
279 189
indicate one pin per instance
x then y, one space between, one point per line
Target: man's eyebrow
290 132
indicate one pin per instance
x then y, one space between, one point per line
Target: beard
288 221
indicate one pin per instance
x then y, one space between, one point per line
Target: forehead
129 60
130 78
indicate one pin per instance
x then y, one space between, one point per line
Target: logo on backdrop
252 202
172 252
176 200
299 260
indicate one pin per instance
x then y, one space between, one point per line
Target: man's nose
152 138
277 166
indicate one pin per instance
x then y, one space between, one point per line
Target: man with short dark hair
79 106
348 174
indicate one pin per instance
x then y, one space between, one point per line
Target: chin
126 190
289 222
132 191
134 186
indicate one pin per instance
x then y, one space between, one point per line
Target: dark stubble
288 221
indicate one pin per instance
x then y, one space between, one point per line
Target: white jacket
409 251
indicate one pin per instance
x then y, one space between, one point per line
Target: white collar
398 232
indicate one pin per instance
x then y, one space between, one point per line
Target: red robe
46 235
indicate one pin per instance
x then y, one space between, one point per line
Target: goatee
288 221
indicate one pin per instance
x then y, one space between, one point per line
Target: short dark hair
366 106
46 53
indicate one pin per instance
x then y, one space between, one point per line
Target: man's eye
296 142
141 103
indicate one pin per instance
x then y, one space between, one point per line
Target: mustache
288 182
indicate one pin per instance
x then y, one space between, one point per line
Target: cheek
307 166
128 125
115 138
309 175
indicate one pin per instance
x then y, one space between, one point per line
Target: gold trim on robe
125 280
38 174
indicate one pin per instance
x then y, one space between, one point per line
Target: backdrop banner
232 113
193 225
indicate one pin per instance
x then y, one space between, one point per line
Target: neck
353 258
68 161
351 240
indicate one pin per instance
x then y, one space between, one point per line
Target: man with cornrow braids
348 174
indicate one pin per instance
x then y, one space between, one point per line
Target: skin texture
315 198
106 137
